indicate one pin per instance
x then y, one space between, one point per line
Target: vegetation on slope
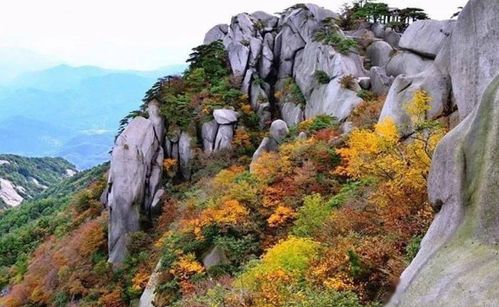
24 228
34 175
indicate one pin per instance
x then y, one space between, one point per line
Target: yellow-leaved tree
399 165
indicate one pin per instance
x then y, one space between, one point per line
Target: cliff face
457 263
268 55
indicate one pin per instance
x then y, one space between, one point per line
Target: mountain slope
24 178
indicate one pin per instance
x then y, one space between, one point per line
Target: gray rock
279 130
379 53
268 20
380 82
406 63
392 38
156 202
218 32
297 29
257 96
149 294
378 30
256 45
225 116
209 134
264 115
474 56
238 57
224 137
267 59
215 256
457 264
131 160
363 37
248 78
432 80
331 99
292 113
267 145
426 37
321 13
185 153
317 56
288 42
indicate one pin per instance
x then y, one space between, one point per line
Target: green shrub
311 297
329 34
367 95
412 248
311 216
322 77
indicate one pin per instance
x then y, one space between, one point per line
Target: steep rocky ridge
457 261
277 60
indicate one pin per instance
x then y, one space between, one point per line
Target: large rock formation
458 263
134 178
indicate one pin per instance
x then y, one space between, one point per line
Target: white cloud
138 34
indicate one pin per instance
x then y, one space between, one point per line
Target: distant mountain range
72 112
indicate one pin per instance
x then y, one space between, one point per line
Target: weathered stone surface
131 159
279 130
406 63
256 45
392 38
248 78
332 99
218 32
257 96
292 113
209 133
215 256
363 37
224 137
156 201
378 30
379 53
426 37
185 154
317 56
9 194
267 59
148 296
474 56
225 116
269 21
457 264
432 80
297 30
238 58
380 82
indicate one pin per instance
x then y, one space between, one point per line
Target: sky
139 34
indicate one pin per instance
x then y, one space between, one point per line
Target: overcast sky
139 34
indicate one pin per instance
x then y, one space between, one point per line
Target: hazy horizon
128 35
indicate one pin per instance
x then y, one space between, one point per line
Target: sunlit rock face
458 263
134 178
